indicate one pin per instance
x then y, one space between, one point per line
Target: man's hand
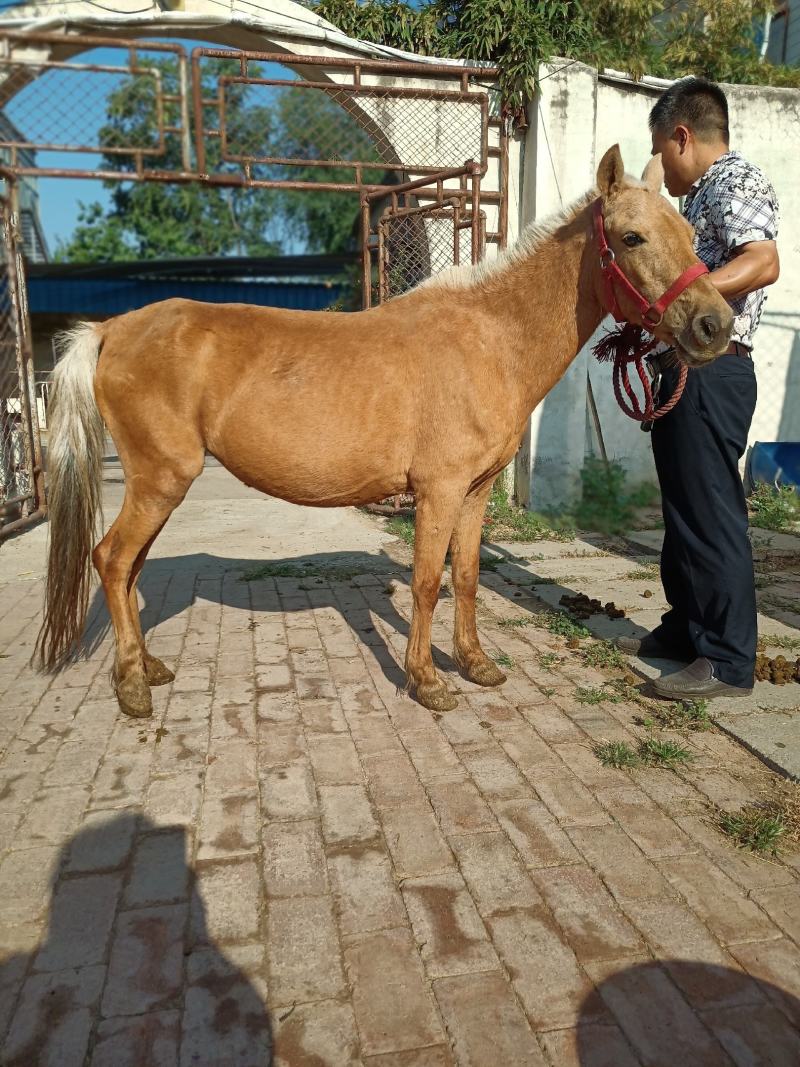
753 266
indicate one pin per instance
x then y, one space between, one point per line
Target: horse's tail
75 466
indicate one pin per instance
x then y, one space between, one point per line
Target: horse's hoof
134 698
481 671
157 672
436 697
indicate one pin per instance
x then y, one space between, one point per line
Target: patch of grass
489 563
502 659
686 715
792 644
606 505
654 752
402 526
548 660
516 624
547 691
616 754
757 828
774 509
558 622
603 654
507 522
596 695
647 572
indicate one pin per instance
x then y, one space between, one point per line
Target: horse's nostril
707 327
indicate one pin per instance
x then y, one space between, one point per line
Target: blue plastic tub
774 462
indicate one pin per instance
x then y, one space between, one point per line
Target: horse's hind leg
156 672
146 508
436 515
465 549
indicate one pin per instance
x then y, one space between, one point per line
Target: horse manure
779 670
647 593
583 607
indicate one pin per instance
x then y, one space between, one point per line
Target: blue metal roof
113 296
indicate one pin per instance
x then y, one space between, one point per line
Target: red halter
651 316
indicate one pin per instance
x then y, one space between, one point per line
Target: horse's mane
474 275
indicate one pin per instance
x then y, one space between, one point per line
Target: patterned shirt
731 205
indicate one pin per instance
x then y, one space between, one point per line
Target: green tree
154 220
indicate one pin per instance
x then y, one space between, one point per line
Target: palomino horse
428 393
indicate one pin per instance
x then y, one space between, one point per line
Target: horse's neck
550 302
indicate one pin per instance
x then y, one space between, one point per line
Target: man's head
689 123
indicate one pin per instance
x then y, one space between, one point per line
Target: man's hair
694 102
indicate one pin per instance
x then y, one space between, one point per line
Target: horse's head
652 245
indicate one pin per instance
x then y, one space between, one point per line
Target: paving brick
103 842
432 755
392 781
217 884
346 814
718 901
231 768
626 872
275 677
225 1019
145 971
181 748
231 719
160 872
584 764
485 1023
414 840
451 936
776 965
491 868
494 774
335 761
551 724
533 756
432 1056
288 792
571 802
320 1033
364 889
75 762
174 801
589 1046
25 880
583 908
655 1018
53 1019
150 1039
281 744
672 793
18 788
294 859
303 951
274 708
653 831
553 989
755 1035
748 870
229 827
80 921
121 781
782 904
393 1006
460 808
54 815
535 834
711 978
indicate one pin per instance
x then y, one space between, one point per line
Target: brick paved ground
294 852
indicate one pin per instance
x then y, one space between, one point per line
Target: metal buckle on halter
652 318
607 258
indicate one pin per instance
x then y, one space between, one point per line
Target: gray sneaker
697 682
648 646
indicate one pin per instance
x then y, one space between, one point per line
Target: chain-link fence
21 486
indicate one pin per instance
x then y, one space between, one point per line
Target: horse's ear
653 174
611 173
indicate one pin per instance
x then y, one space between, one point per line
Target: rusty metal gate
22 498
413 142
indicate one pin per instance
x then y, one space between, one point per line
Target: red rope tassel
630 344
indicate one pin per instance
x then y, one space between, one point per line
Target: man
706 562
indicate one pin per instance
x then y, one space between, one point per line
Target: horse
428 393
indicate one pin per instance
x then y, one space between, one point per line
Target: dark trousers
706 562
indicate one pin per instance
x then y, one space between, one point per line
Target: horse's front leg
437 511
465 549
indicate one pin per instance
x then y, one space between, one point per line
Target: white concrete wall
574 120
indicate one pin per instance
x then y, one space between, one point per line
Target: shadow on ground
166 982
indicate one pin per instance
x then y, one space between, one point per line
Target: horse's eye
633 239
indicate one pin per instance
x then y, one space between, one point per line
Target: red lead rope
628 344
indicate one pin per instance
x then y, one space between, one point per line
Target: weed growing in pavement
774 509
754 827
603 654
616 754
